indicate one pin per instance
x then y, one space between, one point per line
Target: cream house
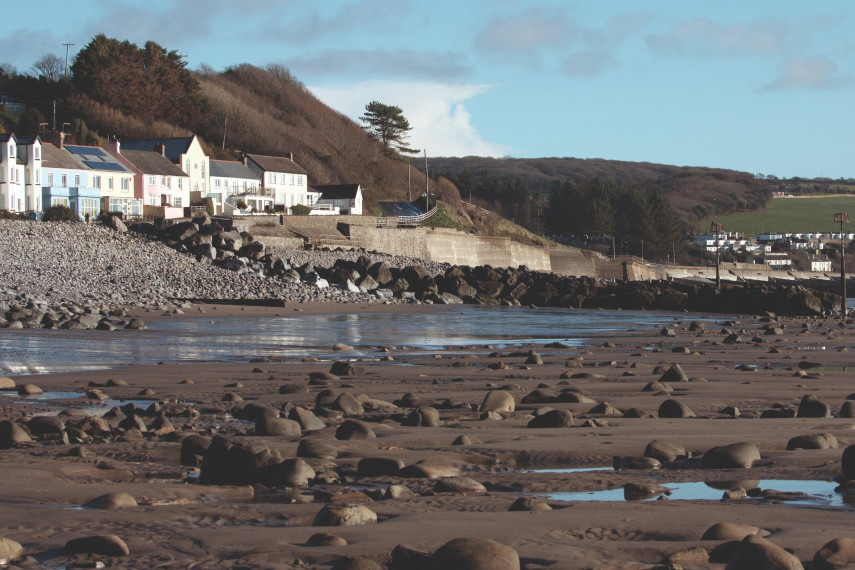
184 152
113 180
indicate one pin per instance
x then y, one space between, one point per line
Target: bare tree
8 70
50 66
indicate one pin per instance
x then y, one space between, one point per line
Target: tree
387 124
49 66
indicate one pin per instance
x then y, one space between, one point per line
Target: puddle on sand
569 470
58 400
804 491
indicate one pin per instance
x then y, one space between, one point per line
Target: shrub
240 205
300 210
60 213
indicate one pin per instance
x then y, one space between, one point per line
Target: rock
325 539
730 531
837 553
811 407
847 463
740 455
356 563
458 484
344 515
9 550
692 555
115 223
379 467
674 374
466 440
813 441
118 500
308 421
105 545
6 383
423 416
674 409
664 451
12 434
294 472
317 449
475 554
269 425
754 553
657 386
344 368
427 470
193 448
348 404
532 504
29 390
407 557
604 408
847 410
552 419
643 491
351 430
625 462
43 425
498 401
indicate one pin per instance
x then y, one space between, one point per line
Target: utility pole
842 217
67 46
716 227
427 185
225 126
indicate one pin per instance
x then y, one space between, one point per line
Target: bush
300 210
240 205
60 213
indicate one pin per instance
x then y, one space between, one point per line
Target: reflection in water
298 336
814 492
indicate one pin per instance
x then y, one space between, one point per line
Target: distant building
184 152
342 198
287 182
111 178
233 182
66 182
12 194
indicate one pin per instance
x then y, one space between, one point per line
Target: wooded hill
695 193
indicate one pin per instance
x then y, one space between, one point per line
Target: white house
30 154
233 182
12 186
163 187
288 182
342 198
184 152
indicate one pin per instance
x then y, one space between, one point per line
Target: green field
792 215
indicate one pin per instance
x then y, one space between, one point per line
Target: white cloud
440 122
817 72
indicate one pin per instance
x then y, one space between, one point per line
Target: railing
413 220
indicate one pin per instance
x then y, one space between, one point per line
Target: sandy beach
448 491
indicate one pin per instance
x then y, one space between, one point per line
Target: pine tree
387 124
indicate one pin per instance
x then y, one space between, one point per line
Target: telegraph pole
842 217
67 46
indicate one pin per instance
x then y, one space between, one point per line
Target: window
281 179
50 179
110 183
179 184
96 182
125 184
203 168
299 181
37 152
152 200
216 183
38 178
291 179
77 180
56 201
89 206
64 181
272 178
187 166
163 180
176 201
169 182
11 151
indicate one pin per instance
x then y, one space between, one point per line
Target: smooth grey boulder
754 552
674 374
836 553
497 401
813 441
118 500
475 554
552 419
674 409
105 545
811 407
423 416
12 434
740 455
350 430
344 515
664 451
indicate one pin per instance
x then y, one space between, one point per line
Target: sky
756 86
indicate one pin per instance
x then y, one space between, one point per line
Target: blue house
67 182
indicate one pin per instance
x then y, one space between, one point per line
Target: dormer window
11 151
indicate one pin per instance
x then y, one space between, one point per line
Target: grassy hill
808 214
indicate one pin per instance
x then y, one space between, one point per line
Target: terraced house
163 187
66 182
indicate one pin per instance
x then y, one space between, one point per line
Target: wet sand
179 523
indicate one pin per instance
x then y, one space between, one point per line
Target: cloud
588 63
440 122
522 35
818 72
362 17
704 37
400 63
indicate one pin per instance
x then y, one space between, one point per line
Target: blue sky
763 87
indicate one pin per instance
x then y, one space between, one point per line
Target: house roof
4 137
150 162
337 191
174 147
232 169
276 164
55 157
95 158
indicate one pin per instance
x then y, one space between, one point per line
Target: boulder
326 539
466 440
308 421
105 545
43 425
348 404
813 441
356 563
293 472
531 504
837 553
12 434
740 455
458 484
730 531
351 429
475 554
9 550
193 448
316 448
552 419
29 390
423 416
664 451
674 409
811 407
754 552
498 401
643 490
379 467
847 463
118 500
269 425
674 374
344 515
629 462
344 368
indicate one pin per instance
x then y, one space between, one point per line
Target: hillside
696 193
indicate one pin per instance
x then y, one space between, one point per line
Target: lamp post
842 217
716 227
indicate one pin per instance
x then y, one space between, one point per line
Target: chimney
291 156
57 138
162 149
114 146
